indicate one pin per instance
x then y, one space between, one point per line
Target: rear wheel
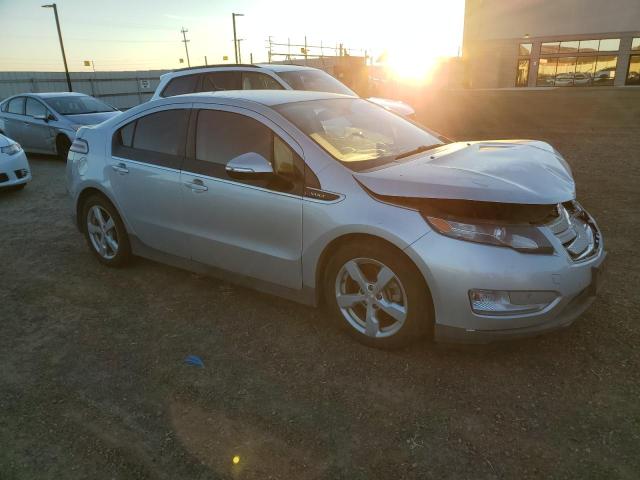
63 144
105 232
378 295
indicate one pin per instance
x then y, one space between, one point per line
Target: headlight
522 238
11 149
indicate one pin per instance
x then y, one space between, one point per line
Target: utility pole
64 57
236 45
240 50
251 57
205 61
185 41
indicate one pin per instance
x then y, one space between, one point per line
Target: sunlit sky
145 34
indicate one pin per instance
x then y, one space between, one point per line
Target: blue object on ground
194 360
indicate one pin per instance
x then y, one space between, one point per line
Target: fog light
503 302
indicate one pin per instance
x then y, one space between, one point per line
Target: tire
105 234
402 310
63 144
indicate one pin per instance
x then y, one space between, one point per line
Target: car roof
264 97
284 67
235 67
55 94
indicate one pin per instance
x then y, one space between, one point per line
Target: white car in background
265 76
14 167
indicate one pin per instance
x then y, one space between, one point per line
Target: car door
144 172
251 226
14 119
37 134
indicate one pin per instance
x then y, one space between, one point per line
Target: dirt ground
93 382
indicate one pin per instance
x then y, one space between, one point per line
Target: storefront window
522 75
546 72
605 70
585 66
565 71
633 75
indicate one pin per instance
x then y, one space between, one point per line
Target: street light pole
64 57
235 38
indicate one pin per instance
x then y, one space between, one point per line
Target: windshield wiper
420 149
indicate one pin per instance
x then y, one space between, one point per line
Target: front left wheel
105 232
378 295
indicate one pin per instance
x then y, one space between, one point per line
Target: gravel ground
93 384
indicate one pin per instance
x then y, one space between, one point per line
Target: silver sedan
329 199
47 122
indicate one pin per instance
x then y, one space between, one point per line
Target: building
545 43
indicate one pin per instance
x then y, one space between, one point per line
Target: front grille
576 231
3 178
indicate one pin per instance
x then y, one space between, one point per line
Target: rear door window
158 138
16 106
215 81
259 81
181 85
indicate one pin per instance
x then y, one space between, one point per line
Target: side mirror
249 165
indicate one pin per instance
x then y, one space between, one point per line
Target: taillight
79 146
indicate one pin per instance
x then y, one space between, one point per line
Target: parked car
266 76
326 198
14 167
47 122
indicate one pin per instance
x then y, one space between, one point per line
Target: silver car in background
47 122
14 167
263 76
329 199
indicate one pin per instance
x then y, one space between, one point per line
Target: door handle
120 168
196 186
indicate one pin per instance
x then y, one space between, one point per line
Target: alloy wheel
102 232
371 297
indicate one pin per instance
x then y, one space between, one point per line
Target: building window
549 47
522 75
525 49
635 44
576 71
633 75
569 47
588 46
609 45
605 70
546 72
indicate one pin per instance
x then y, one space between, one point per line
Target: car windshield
357 132
73 105
316 81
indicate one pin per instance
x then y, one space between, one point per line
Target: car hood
504 171
396 106
91 118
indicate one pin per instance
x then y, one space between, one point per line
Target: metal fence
121 89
